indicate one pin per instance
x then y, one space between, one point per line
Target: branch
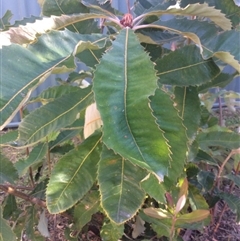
13 191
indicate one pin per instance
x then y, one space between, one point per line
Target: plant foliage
145 72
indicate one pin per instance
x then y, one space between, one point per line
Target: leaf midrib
59 116
125 92
79 167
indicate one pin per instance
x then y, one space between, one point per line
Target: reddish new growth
127 20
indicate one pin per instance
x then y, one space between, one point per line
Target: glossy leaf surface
37 62
121 194
124 105
171 123
229 140
188 105
151 185
73 175
184 63
46 119
201 10
35 157
200 32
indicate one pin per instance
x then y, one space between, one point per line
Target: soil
223 228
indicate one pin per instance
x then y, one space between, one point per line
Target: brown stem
30 170
128 6
13 191
48 160
237 151
219 220
172 231
222 167
31 177
19 187
233 152
225 206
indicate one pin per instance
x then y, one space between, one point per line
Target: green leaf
156 37
174 131
223 46
194 216
58 7
10 208
158 213
53 116
4 21
206 179
111 231
35 157
234 178
200 10
30 32
229 140
52 93
161 226
81 46
84 210
124 105
40 189
6 233
200 32
189 106
36 64
25 21
191 218
8 138
205 157
121 194
90 53
155 51
79 166
69 7
186 61
30 222
230 9
227 7
101 8
233 202
196 199
154 188
62 137
7 171
220 80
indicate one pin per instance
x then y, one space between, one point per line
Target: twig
233 152
128 6
222 167
19 187
48 160
220 111
13 191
